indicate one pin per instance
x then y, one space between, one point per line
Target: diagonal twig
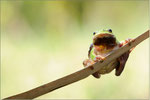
81 74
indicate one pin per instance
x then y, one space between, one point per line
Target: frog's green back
109 31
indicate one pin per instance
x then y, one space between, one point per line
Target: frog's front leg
125 42
88 62
99 58
123 58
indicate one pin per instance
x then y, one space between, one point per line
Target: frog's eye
110 30
94 33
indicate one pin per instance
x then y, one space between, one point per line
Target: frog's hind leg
122 61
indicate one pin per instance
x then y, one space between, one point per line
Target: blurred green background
44 40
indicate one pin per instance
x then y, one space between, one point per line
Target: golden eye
94 33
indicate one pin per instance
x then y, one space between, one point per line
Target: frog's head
104 39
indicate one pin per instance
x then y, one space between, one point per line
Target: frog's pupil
110 30
94 33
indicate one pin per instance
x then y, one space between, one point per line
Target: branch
81 74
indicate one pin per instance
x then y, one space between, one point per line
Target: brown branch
81 74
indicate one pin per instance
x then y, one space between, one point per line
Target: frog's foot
88 62
125 42
96 75
122 61
99 58
122 43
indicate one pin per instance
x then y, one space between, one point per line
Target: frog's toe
85 62
99 58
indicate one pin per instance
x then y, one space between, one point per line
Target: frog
104 42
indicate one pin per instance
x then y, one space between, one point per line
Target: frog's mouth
107 40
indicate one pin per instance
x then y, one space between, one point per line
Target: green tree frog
104 43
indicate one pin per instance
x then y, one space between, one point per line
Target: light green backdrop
44 40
